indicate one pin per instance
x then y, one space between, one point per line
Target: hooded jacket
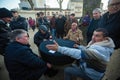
93 54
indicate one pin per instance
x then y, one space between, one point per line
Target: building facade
48 13
36 4
76 6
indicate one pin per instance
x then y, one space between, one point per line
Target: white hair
97 10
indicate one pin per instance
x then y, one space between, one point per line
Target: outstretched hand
75 45
52 46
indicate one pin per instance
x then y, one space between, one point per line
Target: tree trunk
60 4
90 5
31 4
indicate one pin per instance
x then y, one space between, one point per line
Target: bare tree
31 4
60 4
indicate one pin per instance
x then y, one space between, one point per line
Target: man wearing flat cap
5 17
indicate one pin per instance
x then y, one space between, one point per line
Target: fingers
55 42
49 46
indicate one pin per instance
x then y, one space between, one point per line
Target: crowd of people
99 60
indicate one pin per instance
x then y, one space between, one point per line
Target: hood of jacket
106 43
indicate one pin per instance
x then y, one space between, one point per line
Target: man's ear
105 38
17 39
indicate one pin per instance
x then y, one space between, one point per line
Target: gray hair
16 33
97 10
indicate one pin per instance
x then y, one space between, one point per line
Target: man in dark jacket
60 22
41 35
94 23
20 61
111 22
5 17
18 22
42 20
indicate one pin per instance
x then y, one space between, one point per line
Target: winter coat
4 36
31 22
112 24
52 23
43 21
39 37
19 23
95 57
93 25
60 22
22 63
75 36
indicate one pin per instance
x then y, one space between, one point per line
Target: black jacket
39 37
19 23
4 36
112 24
93 25
22 63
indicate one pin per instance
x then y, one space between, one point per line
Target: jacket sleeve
37 39
72 52
28 58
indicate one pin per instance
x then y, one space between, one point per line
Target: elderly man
111 22
92 59
74 34
94 23
21 62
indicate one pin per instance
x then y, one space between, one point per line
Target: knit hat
43 27
5 13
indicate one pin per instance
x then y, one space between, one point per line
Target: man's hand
75 45
53 47
49 65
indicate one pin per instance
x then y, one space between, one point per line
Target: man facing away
92 59
20 61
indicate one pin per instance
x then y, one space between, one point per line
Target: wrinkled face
23 38
74 26
98 37
96 15
113 6
7 19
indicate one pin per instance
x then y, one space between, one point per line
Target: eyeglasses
114 4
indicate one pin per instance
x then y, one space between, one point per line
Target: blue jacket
99 51
22 63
